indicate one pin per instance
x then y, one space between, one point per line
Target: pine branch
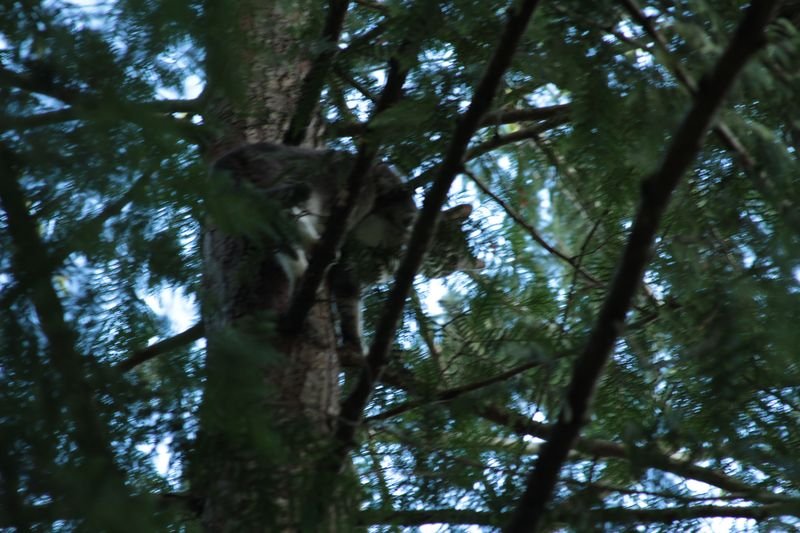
32 269
531 231
522 134
183 338
558 113
551 116
524 426
91 227
727 137
43 85
568 516
656 191
455 392
422 232
311 87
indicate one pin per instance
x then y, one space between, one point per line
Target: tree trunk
270 400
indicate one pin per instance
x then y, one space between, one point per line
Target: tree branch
530 230
522 134
455 392
656 191
32 269
138 357
315 78
720 129
551 116
91 227
422 233
524 426
327 247
558 113
613 515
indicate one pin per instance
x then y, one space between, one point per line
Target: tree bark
270 399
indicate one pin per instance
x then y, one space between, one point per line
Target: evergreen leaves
703 383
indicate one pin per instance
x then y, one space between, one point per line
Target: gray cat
305 184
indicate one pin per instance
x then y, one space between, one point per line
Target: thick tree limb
422 233
656 191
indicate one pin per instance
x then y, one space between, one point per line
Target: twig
455 392
511 212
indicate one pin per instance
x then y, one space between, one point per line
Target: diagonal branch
511 212
455 392
422 233
656 191
315 78
90 227
324 253
521 134
524 426
32 268
720 129
183 338
597 517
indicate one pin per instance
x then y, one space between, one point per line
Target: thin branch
614 515
42 84
552 116
36 120
326 249
87 100
91 227
558 112
656 191
524 426
530 230
422 233
138 357
523 134
314 80
455 392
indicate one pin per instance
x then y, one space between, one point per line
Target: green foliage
704 383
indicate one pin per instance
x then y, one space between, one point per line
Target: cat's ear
459 213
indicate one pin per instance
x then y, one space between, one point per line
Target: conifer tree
624 359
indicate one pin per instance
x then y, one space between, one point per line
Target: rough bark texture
270 399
